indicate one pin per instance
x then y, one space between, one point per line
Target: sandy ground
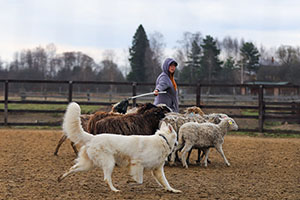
261 168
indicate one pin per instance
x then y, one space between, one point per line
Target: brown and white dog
107 150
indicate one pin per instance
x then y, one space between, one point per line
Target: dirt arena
261 168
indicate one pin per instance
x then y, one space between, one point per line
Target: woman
165 82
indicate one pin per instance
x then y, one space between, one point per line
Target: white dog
108 150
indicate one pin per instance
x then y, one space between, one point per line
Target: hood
165 66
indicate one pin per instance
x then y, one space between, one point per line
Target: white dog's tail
72 125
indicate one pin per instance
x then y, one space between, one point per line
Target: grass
249 112
32 127
267 135
84 108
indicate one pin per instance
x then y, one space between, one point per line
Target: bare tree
288 55
230 47
184 47
52 65
154 56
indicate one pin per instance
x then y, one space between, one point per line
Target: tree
287 55
184 47
137 52
250 57
3 72
227 73
75 66
109 72
191 71
154 56
210 63
230 47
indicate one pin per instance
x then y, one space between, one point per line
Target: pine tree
250 57
210 63
191 72
137 53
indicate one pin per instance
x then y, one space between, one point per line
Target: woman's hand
155 92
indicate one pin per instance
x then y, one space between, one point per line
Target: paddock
261 168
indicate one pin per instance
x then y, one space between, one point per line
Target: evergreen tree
137 53
250 57
191 71
226 76
210 63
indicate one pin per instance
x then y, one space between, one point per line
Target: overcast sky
91 26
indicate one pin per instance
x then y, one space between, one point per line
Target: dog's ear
163 124
170 128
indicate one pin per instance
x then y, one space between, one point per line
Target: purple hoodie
164 83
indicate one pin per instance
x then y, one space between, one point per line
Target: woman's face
172 68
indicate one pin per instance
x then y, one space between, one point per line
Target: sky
94 26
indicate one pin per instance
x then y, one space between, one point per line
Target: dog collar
165 140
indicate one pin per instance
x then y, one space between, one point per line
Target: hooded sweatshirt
164 83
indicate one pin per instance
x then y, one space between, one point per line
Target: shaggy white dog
108 150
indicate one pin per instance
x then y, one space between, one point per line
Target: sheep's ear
229 122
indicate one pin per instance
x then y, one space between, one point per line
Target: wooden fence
267 109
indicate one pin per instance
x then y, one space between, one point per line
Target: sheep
192 114
195 110
204 136
91 127
132 124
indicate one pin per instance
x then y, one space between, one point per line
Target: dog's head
169 133
121 107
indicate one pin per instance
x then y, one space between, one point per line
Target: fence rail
266 109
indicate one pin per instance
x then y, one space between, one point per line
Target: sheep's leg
74 148
187 147
188 156
206 152
62 139
199 158
202 155
177 157
160 178
220 150
175 153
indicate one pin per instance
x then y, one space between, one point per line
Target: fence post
198 94
5 102
70 91
261 107
134 93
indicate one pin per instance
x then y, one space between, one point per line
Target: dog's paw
175 191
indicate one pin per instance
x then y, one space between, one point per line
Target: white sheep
203 136
192 114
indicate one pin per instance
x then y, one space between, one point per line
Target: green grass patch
84 108
33 127
265 134
249 112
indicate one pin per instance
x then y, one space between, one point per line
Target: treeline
201 58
